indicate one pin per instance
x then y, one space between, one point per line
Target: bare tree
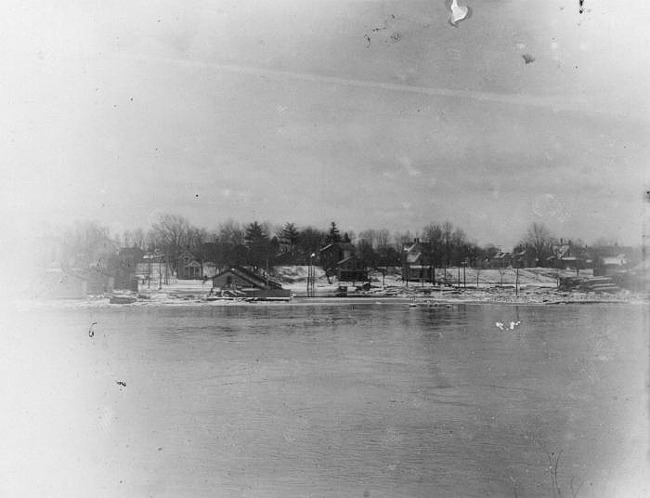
401 238
87 246
368 237
173 233
432 245
539 238
140 238
447 241
231 232
459 246
502 270
383 238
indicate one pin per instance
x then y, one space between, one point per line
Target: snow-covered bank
536 286
388 295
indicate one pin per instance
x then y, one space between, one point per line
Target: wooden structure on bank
252 284
339 259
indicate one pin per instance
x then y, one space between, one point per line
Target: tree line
262 245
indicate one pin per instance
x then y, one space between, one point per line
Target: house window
228 280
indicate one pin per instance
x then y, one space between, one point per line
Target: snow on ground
536 285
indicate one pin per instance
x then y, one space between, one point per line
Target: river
341 400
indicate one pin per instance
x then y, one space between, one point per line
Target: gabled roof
562 250
252 277
345 260
186 253
413 252
337 245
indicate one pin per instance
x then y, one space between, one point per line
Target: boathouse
252 283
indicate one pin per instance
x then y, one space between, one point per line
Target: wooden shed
253 284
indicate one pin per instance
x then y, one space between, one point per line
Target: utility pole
311 277
517 282
464 276
160 276
405 265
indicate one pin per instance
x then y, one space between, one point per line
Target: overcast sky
373 114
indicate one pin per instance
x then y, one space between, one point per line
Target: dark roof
349 258
254 278
337 245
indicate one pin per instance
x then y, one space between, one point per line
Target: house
188 267
252 284
125 275
68 284
523 257
611 260
339 259
154 270
414 266
500 260
209 269
611 265
568 256
351 269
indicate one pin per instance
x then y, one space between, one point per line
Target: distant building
339 259
414 266
188 267
351 269
611 265
500 260
68 284
569 256
209 269
523 257
154 270
252 284
615 259
125 276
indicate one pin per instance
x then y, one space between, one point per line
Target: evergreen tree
288 236
310 242
258 245
334 236
367 255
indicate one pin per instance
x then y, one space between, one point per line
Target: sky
373 114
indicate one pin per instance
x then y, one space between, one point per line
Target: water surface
367 400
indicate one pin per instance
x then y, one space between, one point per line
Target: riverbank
194 294
529 286
532 286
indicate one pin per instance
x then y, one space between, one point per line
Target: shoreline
542 296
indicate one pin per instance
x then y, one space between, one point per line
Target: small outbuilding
251 283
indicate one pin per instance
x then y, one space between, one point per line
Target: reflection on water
347 400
